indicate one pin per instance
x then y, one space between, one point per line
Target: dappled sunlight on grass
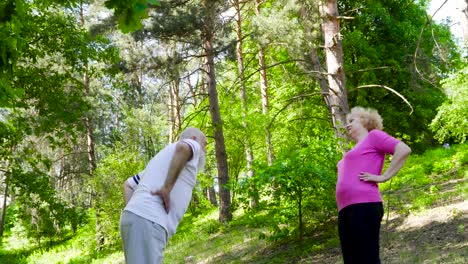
225 243
438 214
59 254
15 239
434 242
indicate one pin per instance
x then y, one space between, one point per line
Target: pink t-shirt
367 156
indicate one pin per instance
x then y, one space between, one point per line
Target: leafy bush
45 216
419 180
298 187
120 164
451 121
211 226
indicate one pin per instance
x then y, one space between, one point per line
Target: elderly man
157 198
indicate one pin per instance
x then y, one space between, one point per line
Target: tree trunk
174 113
221 156
243 95
299 205
5 196
264 90
316 64
463 7
89 136
212 196
171 115
89 128
336 98
177 118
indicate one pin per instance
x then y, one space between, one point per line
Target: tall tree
88 122
243 97
336 96
216 121
264 89
5 197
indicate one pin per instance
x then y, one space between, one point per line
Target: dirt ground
437 235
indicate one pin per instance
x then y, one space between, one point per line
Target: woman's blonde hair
370 118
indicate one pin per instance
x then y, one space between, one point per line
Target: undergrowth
437 177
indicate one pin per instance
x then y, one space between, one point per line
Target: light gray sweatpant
143 241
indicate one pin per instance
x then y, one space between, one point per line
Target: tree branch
385 87
428 21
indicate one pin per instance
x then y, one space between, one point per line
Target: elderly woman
357 193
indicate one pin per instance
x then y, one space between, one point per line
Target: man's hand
183 153
166 198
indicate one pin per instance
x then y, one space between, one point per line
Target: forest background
90 91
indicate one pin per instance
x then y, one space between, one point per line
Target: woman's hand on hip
369 177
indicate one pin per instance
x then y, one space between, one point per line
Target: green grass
435 179
438 176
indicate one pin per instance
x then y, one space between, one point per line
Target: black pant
359 230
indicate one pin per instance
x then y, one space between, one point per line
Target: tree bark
264 90
174 111
316 64
212 196
336 97
90 137
220 148
5 197
171 115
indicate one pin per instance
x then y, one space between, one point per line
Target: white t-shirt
135 180
151 207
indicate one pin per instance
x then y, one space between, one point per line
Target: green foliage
299 185
130 13
43 215
118 165
382 46
11 16
421 177
246 239
451 122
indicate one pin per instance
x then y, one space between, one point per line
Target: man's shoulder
194 145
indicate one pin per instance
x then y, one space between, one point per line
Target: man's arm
183 153
129 187
128 192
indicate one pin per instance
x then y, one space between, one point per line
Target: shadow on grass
16 256
285 251
20 255
436 242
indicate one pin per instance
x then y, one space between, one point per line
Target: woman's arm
399 158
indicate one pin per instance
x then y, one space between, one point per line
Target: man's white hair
190 132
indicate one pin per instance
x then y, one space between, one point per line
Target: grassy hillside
425 222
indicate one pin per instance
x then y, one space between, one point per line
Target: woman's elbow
405 150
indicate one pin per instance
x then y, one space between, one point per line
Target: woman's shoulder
378 134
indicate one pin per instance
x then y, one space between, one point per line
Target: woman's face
354 126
